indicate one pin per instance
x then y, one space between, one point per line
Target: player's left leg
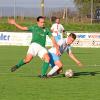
58 66
22 62
52 63
43 54
32 51
45 64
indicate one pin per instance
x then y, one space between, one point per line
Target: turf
25 85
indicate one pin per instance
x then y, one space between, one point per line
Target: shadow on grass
87 73
76 74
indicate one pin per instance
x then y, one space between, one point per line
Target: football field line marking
94 65
4 66
64 65
10 73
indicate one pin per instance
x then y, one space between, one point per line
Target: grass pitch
25 85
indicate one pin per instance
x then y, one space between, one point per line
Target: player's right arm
72 56
13 22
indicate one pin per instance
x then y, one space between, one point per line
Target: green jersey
39 34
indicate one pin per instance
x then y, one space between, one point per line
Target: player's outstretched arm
12 22
71 55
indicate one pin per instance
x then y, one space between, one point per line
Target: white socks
53 70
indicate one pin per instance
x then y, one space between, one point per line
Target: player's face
70 40
41 22
58 20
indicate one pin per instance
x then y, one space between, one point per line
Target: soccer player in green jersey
37 46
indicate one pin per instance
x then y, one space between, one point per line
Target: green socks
20 63
45 68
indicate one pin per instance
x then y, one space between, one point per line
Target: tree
84 6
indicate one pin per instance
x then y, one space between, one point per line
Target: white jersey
63 47
57 29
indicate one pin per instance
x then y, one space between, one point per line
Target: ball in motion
69 73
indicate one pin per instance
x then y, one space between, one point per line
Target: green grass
77 27
83 27
25 85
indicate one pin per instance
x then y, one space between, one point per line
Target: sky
36 3
28 7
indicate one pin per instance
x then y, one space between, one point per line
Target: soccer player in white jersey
57 30
64 47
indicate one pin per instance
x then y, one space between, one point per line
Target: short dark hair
39 17
53 18
73 35
57 18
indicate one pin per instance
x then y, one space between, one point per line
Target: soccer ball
69 73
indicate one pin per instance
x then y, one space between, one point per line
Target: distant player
57 29
37 46
64 47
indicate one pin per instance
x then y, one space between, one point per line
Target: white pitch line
64 65
94 65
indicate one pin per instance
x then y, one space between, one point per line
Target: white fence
24 39
18 39
15 38
87 40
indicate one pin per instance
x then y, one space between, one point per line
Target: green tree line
84 6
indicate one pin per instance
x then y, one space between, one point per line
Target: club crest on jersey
42 34
44 30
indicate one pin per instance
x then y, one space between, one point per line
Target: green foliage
83 27
68 27
84 6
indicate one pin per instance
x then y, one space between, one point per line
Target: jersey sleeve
52 27
49 32
30 28
68 50
62 27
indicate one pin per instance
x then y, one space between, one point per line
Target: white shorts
36 49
